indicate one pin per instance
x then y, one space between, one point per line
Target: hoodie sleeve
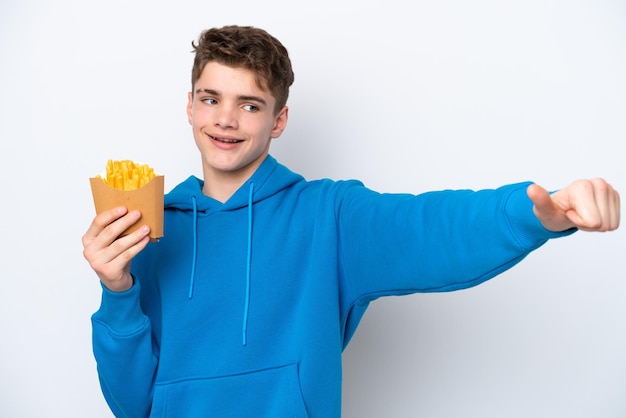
394 244
122 340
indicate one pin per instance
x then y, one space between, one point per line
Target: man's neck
221 185
221 189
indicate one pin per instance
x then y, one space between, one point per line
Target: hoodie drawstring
195 246
248 267
246 308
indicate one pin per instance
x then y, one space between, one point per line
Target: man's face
233 122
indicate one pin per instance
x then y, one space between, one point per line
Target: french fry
127 174
134 186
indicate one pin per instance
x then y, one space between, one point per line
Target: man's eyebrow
253 99
207 91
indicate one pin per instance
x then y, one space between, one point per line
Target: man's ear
280 123
189 106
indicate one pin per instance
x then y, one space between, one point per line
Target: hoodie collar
270 178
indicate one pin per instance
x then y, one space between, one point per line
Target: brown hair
250 48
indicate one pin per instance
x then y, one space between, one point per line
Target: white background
406 96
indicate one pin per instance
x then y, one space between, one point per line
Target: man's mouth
226 140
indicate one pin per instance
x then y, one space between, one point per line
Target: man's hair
246 47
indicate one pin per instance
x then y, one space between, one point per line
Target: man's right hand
110 255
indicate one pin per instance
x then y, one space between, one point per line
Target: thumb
549 212
543 204
545 209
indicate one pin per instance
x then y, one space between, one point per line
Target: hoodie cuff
121 311
525 225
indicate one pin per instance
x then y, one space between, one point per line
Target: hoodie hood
269 179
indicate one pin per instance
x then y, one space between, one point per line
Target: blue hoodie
243 308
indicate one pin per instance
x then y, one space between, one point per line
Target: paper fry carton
147 199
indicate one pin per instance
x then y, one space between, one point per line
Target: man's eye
251 108
209 100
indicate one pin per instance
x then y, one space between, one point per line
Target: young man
245 305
